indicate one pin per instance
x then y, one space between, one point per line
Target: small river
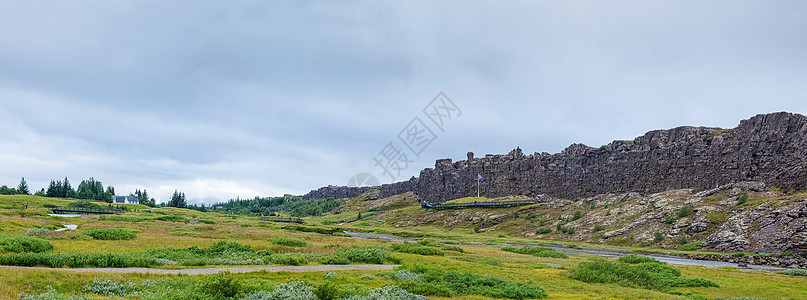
601 252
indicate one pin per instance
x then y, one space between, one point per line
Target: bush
36 231
577 215
639 272
77 260
221 284
334 260
292 259
453 248
172 218
598 227
658 237
636 259
388 293
111 234
438 282
288 241
535 251
327 291
20 243
543 230
795 272
669 220
413 248
742 199
691 246
685 211
366 256
297 290
228 247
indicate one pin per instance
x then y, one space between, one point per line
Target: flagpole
477 185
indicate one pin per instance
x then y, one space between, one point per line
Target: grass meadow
451 263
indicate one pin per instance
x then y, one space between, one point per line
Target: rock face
769 148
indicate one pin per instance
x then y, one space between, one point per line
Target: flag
480 176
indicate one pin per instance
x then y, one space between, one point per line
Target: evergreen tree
68 191
53 189
177 200
22 188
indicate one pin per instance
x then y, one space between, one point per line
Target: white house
125 199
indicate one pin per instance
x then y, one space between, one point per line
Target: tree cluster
87 189
143 198
177 200
294 206
22 189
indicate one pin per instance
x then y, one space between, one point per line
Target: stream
600 252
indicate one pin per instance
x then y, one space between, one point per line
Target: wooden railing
85 210
283 219
499 204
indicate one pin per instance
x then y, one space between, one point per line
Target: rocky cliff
768 148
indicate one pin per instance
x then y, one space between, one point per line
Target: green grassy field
190 239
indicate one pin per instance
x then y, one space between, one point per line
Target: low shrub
598 227
388 293
221 284
546 265
77 260
685 211
37 231
292 259
535 251
543 230
453 248
438 282
742 199
365 256
20 244
171 218
111 234
636 259
636 271
795 272
691 246
288 241
413 248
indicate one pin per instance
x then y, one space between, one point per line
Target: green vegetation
443 283
20 243
636 271
685 211
535 251
111 234
288 241
294 206
691 246
453 248
482 271
795 272
543 230
742 199
413 248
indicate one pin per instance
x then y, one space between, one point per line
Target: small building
125 199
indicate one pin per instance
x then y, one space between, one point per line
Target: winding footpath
207 271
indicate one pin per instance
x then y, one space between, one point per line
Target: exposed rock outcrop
769 148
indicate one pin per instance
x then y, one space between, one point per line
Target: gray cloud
248 98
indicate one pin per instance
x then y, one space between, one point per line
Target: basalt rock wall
770 148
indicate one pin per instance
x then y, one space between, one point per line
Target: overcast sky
221 99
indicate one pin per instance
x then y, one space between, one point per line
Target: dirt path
206 271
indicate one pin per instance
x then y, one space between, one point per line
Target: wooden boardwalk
283 219
499 204
85 211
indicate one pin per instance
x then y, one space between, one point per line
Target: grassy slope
480 256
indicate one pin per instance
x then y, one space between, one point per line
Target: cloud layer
254 99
